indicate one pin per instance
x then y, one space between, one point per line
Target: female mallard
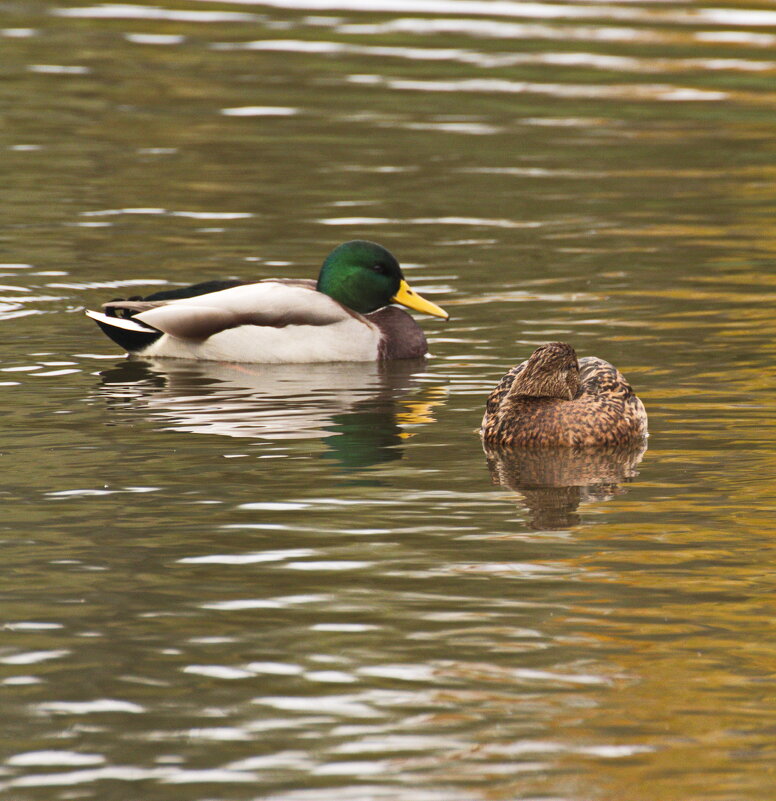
554 400
343 317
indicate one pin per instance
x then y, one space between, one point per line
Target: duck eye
379 268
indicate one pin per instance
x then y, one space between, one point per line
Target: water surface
309 584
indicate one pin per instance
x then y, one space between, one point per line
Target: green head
364 276
361 275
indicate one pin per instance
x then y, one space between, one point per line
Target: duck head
364 276
552 371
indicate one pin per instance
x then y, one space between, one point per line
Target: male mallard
554 400
343 317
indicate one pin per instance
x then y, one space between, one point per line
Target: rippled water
309 584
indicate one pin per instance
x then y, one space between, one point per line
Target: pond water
308 583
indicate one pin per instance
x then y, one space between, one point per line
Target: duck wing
500 391
617 407
598 377
274 304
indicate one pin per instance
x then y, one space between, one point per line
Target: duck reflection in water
561 431
552 482
357 410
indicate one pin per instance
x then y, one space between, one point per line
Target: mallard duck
554 400
344 316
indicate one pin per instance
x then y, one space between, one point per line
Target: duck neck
557 386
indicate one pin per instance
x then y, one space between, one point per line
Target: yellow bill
409 297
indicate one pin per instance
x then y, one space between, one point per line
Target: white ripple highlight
273 506
483 221
100 706
129 11
31 625
598 61
528 10
344 564
219 672
501 29
247 558
260 111
32 657
240 604
58 69
630 92
18 33
129 773
344 705
53 758
154 38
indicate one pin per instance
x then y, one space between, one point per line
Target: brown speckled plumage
553 399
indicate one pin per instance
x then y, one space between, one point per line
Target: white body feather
267 322
351 340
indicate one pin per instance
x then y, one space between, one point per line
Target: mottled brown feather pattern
531 405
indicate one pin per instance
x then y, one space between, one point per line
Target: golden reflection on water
711 602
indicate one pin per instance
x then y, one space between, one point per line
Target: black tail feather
131 341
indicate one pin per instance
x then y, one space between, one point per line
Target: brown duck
553 399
